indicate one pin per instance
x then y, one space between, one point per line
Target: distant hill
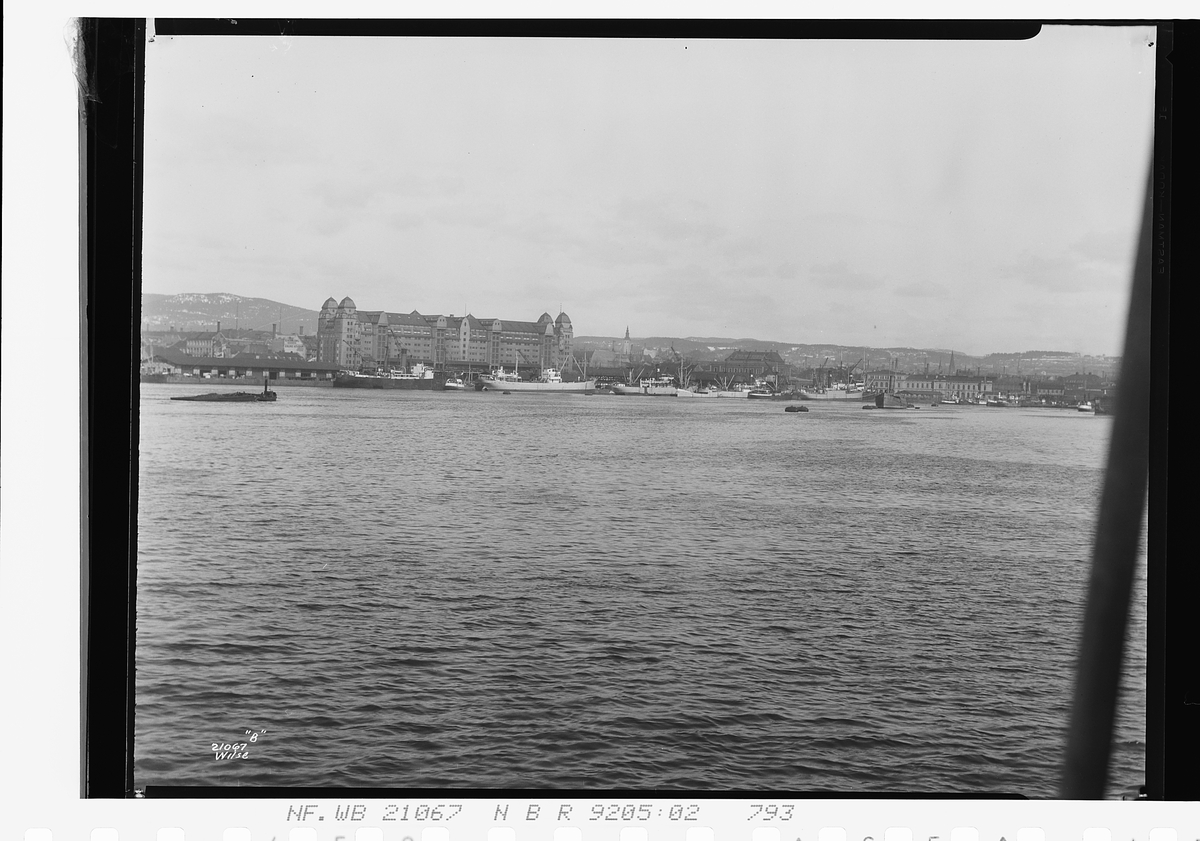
1027 363
194 311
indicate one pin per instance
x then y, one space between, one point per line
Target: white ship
550 382
739 390
700 392
654 387
836 392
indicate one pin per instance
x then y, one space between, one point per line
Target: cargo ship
550 382
837 392
650 387
420 378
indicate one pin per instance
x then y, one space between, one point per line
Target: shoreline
180 379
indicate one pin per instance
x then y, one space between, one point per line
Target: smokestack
218 327
301 329
273 331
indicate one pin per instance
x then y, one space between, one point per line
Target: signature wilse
237 750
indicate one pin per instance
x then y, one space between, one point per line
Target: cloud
403 220
840 276
923 289
342 196
673 220
489 215
1059 273
1110 247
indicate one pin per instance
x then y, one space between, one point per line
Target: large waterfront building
928 386
741 366
354 339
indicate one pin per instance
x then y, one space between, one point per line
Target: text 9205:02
644 811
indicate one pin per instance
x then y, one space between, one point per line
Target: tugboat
264 396
888 398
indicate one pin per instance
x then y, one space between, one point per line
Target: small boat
454 384
1085 407
797 408
264 396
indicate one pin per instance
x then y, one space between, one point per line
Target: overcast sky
980 196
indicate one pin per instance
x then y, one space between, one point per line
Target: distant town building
208 344
743 366
292 343
619 354
353 338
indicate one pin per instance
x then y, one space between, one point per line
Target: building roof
252 347
346 304
755 356
412 319
329 304
277 361
264 355
516 326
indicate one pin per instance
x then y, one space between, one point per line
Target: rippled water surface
475 590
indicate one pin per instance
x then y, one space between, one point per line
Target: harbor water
475 590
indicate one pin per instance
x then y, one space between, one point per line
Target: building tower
348 333
565 334
325 348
